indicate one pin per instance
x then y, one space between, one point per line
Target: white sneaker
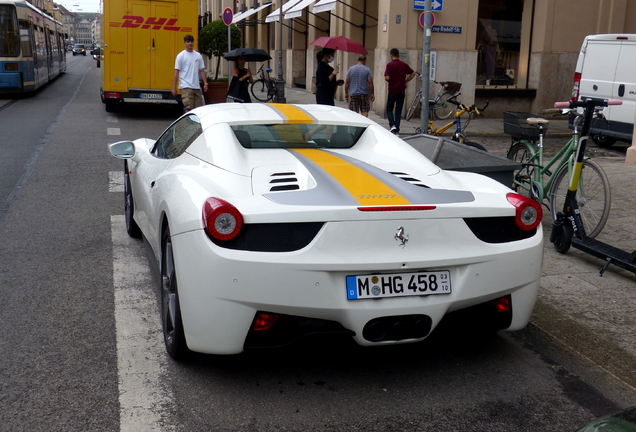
393 130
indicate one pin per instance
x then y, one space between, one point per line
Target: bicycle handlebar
588 102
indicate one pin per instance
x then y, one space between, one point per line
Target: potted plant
213 43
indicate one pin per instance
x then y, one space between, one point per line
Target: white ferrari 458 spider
272 222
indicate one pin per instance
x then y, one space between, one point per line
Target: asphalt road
81 348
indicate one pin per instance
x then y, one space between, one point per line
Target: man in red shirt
397 74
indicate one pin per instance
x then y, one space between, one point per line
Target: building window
503 35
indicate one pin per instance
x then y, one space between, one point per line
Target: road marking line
110 119
115 181
144 393
113 131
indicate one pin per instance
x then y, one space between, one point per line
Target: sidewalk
581 320
479 126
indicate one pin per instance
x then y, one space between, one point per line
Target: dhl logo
133 21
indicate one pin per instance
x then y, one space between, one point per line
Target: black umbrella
250 54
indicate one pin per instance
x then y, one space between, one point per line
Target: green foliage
213 40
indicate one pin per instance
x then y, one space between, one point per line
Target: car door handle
621 90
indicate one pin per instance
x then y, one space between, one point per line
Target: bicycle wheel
260 90
522 180
593 196
443 109
414 105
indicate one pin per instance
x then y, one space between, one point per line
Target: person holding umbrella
326 83
241 77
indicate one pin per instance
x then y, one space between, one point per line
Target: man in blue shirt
359 90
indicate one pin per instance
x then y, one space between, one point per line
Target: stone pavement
581 320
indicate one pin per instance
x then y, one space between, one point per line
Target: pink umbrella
340 43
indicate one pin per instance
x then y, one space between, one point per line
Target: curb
600 362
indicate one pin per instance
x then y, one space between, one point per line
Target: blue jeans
395 100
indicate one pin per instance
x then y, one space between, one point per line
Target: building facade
518 54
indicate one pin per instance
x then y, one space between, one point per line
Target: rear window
9 36
297 135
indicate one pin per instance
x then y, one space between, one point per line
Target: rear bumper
10 82
221 291
143 96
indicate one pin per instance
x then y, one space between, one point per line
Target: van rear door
625 84
599 69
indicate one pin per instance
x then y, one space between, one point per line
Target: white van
606 69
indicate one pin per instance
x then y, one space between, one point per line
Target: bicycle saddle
269 70
537 120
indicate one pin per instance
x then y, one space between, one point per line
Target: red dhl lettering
154 23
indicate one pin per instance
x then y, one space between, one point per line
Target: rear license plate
398 285
151 96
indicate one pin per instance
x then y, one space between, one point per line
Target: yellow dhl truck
141 39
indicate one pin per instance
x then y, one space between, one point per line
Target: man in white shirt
188 67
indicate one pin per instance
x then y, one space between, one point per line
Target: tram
32 50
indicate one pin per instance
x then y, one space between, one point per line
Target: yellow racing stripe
365 188
292 114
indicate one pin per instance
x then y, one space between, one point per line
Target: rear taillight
577 86
529 213
10 66
112 95
221 219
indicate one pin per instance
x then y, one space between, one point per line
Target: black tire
171 322
522 180
260 90
443 109
111 105
473 144
593 196
415 104
603 141
129 207
562 237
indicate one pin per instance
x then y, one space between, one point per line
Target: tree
213 41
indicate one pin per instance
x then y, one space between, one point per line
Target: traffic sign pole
426 67
228 17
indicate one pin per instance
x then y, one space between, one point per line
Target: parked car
624 421
79 49
605 69
283 221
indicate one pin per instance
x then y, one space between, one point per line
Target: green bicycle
549 181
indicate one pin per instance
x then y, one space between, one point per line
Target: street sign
436 5
422 17
446 29
228 16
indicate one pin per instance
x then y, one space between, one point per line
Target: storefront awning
324 6
241 16
274 16
297 10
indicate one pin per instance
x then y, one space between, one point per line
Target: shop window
503 43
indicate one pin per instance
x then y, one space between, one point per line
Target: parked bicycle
550 181
439 105
460 128
265 88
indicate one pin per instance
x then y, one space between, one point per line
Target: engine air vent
408 178
284 181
